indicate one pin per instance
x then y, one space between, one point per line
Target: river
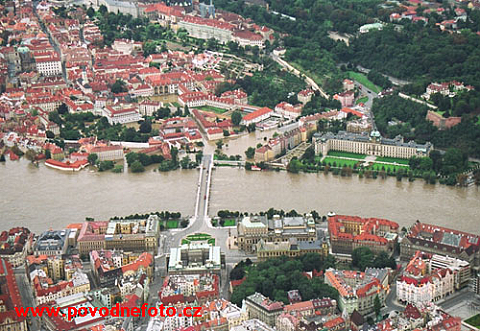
42 198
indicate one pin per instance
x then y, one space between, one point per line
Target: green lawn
474 321
176 104
478 120
362 100
392 160
362 79
340 162
198 237
172 224
212 109
440 112
347 154
230 222
379 166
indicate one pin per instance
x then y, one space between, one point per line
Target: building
75 301
53 277
346 98
476 284
121 116
276 230
262 308
52 243
9 299
108 153
148 107
198 288
252 324
348 84
462 271
49 65
357 290
128 235
206 28
15 245
290 248
257 116
370 27
350 232
304 96
434 239
420 284
108 266
373 144
287 110
194 258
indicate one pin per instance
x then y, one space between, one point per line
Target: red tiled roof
257 113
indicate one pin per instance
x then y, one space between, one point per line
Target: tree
105 165
198 157
50 134
92 158
250 152
294 166
119 86
30 155
90 12
377 305
186 111
185 162
219 144
362 257
146 127
48 154
137 167
149 48
236 117
131 157
62 109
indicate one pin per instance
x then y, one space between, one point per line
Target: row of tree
275 277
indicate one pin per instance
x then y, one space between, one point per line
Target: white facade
122 116
435 288
49 68
148 108
206 32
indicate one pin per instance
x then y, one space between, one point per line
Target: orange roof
257 113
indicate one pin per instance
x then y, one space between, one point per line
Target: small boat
255 168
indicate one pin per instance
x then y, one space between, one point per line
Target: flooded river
42 198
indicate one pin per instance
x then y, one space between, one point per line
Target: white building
121 116
204 28
373 144
148 107
49 66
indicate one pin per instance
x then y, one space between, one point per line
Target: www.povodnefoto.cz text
115 311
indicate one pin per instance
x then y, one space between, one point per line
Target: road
299 74
395 81
368 105
27 296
